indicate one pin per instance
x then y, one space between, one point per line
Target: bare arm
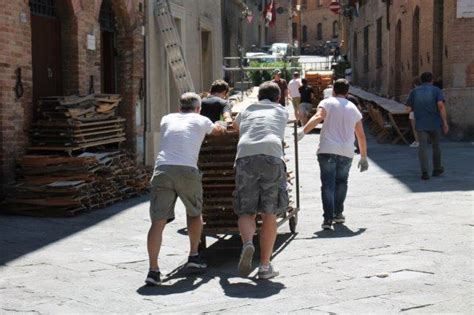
444 116
227 117
315 120
408 109
359 131
217 130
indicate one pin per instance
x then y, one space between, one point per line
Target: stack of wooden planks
319 81
53 185
67 124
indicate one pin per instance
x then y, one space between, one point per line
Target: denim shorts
260 185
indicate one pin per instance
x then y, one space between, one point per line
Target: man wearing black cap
282 85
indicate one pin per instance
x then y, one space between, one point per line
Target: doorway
438 40
46 49
206 60
398 61
108 50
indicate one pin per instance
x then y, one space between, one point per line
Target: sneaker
438 172
246 257
267 272
196 262
327 225
153 278
339 218
425 176
414 144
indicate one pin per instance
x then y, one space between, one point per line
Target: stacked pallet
63 186
319 81
77 122
216 161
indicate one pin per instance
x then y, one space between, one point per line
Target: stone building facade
391 42
315 24
281 31
66 47
200 27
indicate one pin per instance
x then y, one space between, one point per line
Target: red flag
269 14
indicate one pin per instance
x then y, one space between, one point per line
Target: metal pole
297 171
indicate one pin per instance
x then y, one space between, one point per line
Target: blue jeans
334 174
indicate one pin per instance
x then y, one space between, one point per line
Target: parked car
283 49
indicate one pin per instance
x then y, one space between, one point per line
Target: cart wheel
202 243
293 222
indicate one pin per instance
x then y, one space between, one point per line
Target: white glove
363 164
300 134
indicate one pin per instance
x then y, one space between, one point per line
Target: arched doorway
415 52
46 49
398 61
108 31
438 40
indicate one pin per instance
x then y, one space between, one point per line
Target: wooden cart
216 161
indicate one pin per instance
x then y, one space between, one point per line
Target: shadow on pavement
401 162
222 257
20 235
340 230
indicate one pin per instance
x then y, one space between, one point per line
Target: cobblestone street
407 245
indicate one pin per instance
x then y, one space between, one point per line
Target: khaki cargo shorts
260 185
296 103
170 182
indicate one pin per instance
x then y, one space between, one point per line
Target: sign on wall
465 9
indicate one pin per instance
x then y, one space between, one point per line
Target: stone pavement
407 246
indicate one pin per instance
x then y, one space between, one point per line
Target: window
416 42
305 34
319 31
366 48
319 3
294 30
379 42
354 48
335 29
304 4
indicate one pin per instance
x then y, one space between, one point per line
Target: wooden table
396 111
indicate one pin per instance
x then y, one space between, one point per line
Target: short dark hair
426 77
304 81
219 86
341 87
269 90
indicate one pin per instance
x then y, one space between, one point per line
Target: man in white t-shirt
336 149
176 174
293 89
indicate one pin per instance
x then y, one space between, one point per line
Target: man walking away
215 105
282 85
427 102
336 149
260 176
176 174
293 89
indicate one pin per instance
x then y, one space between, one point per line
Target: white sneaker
414 144
267 272
246 257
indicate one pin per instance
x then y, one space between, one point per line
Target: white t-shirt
337 134
293 87
181 137
327 93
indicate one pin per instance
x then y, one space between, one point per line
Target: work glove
363 164
300 134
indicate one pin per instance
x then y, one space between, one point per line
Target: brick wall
453 60
78 18
314 14
15 52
